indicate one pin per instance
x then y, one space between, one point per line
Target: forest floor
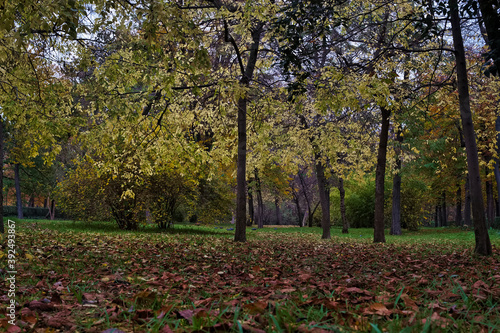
92 278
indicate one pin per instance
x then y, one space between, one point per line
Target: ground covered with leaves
277 281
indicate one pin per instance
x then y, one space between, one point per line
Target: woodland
251 165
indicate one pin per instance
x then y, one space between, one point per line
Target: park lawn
81 277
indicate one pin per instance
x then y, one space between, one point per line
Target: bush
412 203
213 201
80 194
126 195
164 192
360 203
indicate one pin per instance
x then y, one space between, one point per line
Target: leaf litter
283 282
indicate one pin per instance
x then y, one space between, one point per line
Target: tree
483 244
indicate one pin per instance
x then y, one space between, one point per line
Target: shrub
80 194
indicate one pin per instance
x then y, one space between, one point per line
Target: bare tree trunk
378 234
251 211
240 227
467 208
31 202
490 18
278 210
247 74
260 202
306 215
345 223
297 204
444 211
396 189
483 244
436 217
324 197
490 203
52 209
458 215
396 205
17 180
308 202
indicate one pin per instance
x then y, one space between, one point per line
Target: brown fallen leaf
251 329
41 306
256 307
186 314
409 303
379 309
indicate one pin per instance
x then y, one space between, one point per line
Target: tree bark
308 202
490 203
297 204
240 227
491 19
247 74
52 209
345 223
278 210
458 215
260 202
482 238
31 202
324 197
467 204
251 211
17 180
378 234
436 217
444 211
396 189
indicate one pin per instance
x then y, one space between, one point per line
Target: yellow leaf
29 256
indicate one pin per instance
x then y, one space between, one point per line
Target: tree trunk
444 211
52 209
240 227
260 202
2 228
396 189
490 203
278 210
324 197
396 205
483 244
31 202
467 204
251 211
297 204
436 217
458 215
308 202
306 215
17 180
345 223
378 234
491 20
246 77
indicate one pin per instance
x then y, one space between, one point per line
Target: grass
195 278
